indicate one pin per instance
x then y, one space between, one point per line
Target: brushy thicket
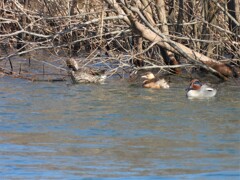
49 31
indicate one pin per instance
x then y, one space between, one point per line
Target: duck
84 74
152 82
198 90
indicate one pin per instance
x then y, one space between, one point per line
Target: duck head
148 76
195 84
72 64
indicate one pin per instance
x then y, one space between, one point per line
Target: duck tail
72 64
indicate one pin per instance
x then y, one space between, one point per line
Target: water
116 131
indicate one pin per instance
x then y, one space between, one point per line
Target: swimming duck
198 90
84 74
152 82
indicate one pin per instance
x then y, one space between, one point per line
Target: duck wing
92 71
208 91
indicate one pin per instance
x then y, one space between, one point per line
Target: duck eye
197 83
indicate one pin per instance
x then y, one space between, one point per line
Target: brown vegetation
120 35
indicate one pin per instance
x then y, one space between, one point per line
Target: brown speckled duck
84 74
152 82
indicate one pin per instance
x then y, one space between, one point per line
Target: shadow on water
116 131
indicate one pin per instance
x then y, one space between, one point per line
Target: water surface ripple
116 131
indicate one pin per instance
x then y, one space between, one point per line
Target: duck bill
144 77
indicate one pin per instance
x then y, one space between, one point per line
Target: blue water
117 131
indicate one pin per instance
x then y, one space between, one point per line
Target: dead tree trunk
76 46
234 11
168 55
23 21
180 17
209 12
191 17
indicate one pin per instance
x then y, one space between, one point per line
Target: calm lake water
117 131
